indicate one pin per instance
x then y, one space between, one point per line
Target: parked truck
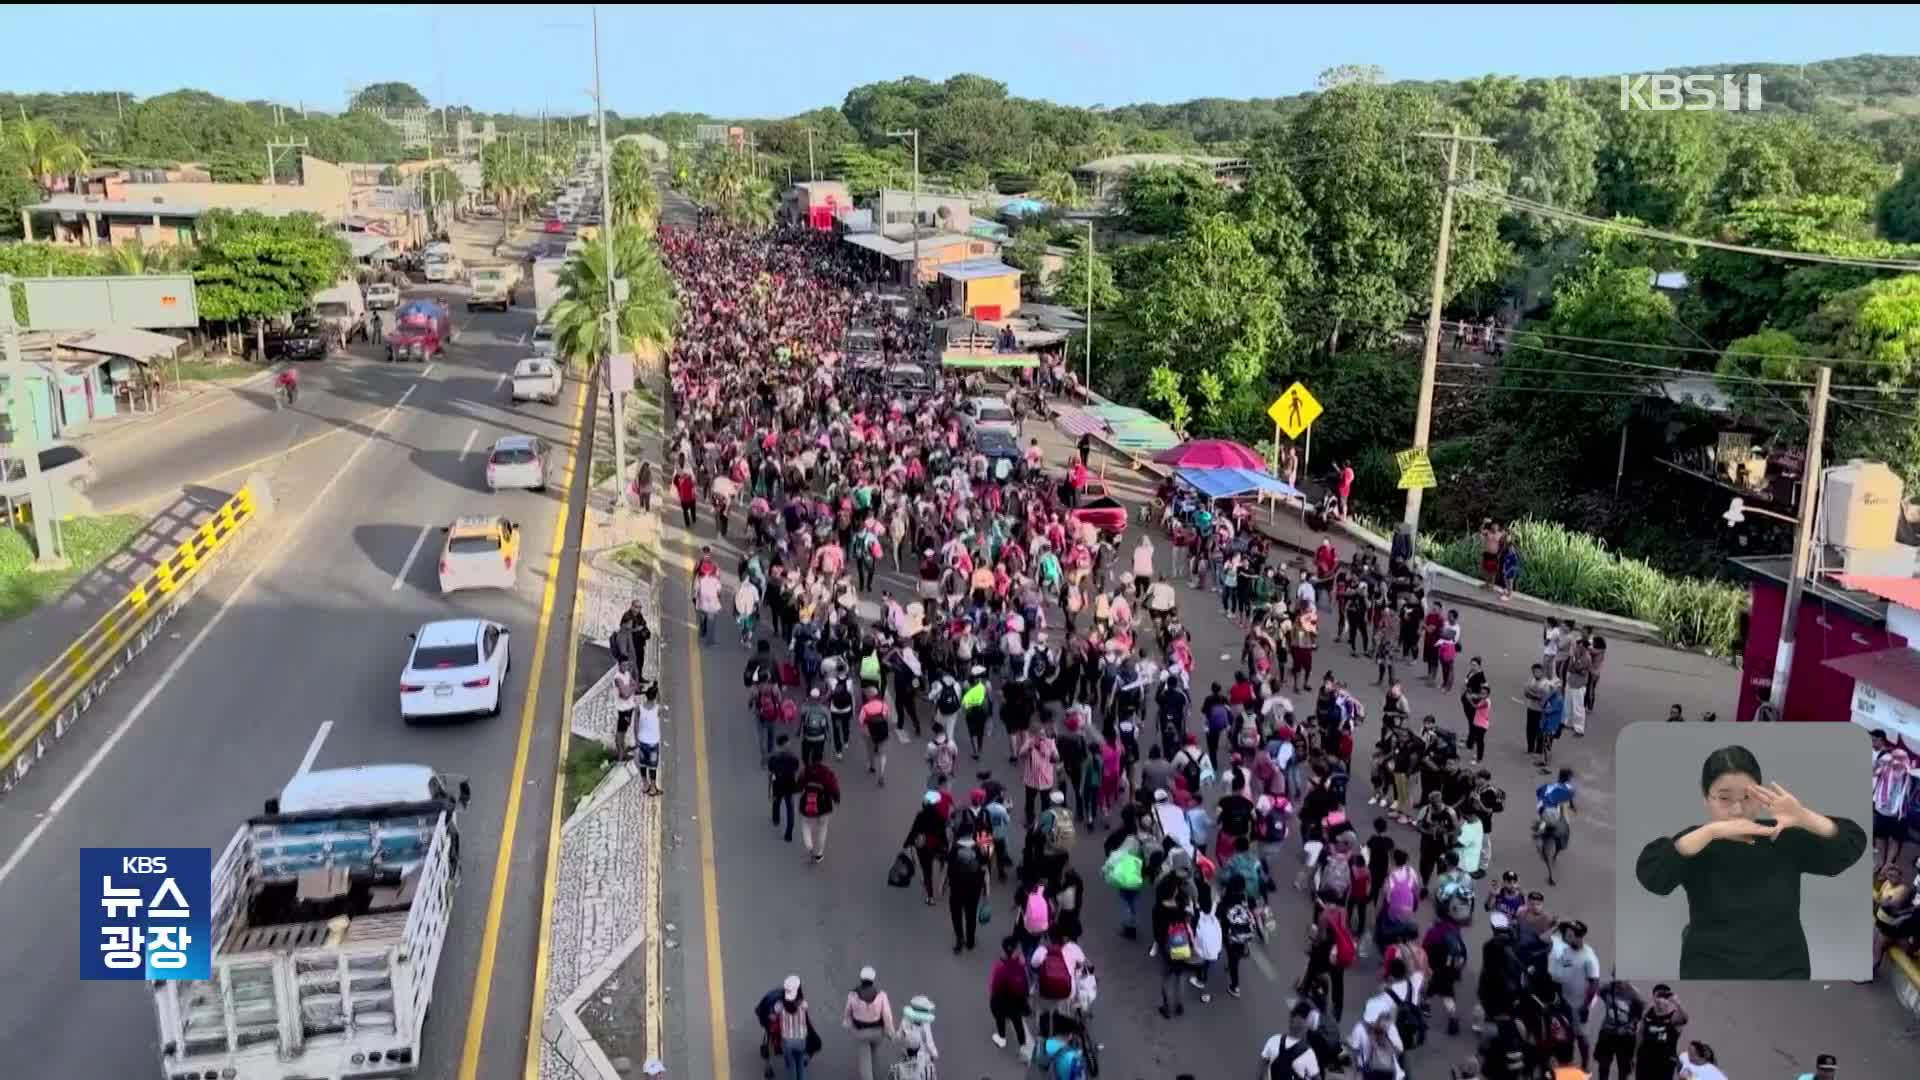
546 285
329 914
491 285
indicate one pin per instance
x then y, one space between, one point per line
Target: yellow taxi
480 553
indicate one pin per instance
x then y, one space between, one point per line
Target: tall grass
1562 566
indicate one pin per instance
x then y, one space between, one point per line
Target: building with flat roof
986 289
895 256
1100 179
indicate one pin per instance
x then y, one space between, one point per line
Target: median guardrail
46 710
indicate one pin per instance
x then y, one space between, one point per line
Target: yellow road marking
709 886
542 962
503 863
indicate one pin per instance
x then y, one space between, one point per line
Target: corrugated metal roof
82 204
975 269
1904 591
127 342
1895 671
902 250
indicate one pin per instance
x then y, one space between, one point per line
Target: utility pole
614 286
914 201
27 437
1810 491
1089 307
812 173
1430 358
274 146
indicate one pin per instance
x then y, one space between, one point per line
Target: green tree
443 185
135 258
1549 142
1658 167
1160 199
1734 295
16 194
231 169
1770 354
389 95
1056 187
1877 328
645 319
42 151
1898 209
636 199
1027 253
1070 285
252 267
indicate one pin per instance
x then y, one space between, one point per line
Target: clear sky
750 60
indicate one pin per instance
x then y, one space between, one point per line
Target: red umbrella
1210 454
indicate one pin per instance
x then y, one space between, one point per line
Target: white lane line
1264 963
428 370
468 447
501 381
313 749
180 662
400 578
526 337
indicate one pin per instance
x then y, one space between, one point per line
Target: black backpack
1409 1019
949 702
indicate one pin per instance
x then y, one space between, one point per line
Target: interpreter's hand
1781 804
1744 830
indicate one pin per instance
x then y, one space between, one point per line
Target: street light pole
914 201
614 389
1089 308
1802 543
26 436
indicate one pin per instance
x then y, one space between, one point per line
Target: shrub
1562 566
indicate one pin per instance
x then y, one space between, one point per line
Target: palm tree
636 200
1057 187
645 319
45 150
135 258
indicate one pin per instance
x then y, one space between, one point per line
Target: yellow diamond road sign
1416 469
1295 411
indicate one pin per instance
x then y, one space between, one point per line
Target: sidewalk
31 642
1134 480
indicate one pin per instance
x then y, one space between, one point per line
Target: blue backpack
1055 1059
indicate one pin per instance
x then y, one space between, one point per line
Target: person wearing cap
1502 975
927 841
654 1068
1289 1055
869 1015
1825 1067
1659 1036
788 1022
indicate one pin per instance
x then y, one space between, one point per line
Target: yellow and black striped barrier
42 712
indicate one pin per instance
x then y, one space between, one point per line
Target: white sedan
457 667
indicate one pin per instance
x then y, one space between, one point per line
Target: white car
457 667
543 340
518 461
991 412
382 295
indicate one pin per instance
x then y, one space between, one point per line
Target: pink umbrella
1210 454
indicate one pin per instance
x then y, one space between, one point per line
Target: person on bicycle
289 384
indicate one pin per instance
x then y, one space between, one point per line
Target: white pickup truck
329 914
537 378
491 284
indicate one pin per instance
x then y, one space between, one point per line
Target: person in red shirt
1430 628
1325 559
1345 486
689 498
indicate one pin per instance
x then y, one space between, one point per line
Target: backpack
1238 924
1056 981
768 706
1191 771
1282 1066
815 727
1036 916
1336 877
1409 1020
1455 899
1064 1063
1060 836
949 702
1402 897
1345 951
1124 870
813 799
842 699
945 755
1180 942
1273 827
966 859
755 673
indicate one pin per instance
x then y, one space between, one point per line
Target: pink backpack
1036 917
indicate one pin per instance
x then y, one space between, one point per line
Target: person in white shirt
646 739
1375 1043
1575 968
1290 1054
1142 565
1303 596
1697 1063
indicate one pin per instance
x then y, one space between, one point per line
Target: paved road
307 654
765 912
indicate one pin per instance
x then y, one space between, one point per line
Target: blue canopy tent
1230 483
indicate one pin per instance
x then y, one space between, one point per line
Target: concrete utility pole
1810 490
27 436
812 173
1430 358
914 200
1089 307
614 286
273 153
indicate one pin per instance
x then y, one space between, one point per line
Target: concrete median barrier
50 707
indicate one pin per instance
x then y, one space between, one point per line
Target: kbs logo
145 913
1691 93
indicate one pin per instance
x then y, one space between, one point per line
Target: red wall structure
1826 631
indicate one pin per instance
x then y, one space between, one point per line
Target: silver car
518 461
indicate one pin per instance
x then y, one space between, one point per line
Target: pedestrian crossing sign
1416 470
1295 411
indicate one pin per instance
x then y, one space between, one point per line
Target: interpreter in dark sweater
1741 871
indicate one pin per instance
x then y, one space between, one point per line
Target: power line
1554 390
1702 351
1515 202
1716 376
1503 368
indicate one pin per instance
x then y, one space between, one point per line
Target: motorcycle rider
289 384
